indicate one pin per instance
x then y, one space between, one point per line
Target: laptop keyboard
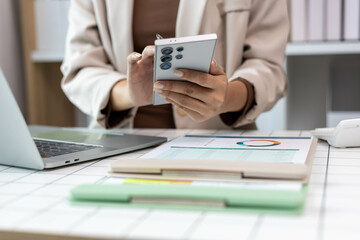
52 149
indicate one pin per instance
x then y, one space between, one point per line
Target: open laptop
56 148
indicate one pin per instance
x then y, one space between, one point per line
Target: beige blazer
252 36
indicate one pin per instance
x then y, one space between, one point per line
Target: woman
109 61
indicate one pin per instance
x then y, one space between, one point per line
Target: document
259 185
230 158
252 149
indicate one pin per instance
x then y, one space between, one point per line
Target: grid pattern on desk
37 202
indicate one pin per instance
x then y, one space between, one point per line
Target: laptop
59 147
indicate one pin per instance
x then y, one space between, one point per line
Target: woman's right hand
140 76
137 89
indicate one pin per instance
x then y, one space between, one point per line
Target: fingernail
178 73
136 56
214 62
158 90
158 85
161 95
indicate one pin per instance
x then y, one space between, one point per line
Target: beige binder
215 169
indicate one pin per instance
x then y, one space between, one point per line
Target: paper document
227 158
263 185
253 149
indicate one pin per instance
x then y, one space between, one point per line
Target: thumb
132 60
215 69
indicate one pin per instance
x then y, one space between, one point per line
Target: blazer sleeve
88 74
263 56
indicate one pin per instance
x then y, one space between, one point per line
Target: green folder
191 197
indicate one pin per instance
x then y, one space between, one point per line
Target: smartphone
195 52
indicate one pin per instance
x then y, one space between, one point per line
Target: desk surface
34 204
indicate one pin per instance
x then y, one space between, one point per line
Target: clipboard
219 169
191 197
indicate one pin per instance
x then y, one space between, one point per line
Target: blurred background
322 63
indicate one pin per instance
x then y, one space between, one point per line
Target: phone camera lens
167 50
180 49
166 58
165 66
179 56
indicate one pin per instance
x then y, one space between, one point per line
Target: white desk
34 204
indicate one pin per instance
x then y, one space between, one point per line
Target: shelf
322 48
47 56
292 49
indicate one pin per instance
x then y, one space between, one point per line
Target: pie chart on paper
259 143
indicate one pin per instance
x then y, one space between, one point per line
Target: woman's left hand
202 97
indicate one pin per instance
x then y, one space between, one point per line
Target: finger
192 114
185 88
185 101
216 69
132 59
148 54
200 78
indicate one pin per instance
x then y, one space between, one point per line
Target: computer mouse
345 134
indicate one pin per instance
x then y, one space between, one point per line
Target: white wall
10 49
275 119
322 88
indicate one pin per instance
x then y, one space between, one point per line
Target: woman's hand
140 76
205 95
137 89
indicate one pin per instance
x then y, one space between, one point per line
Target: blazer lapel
188 23
189 17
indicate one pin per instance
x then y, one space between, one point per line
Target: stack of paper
217 172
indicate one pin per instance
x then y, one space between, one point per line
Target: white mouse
345 134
